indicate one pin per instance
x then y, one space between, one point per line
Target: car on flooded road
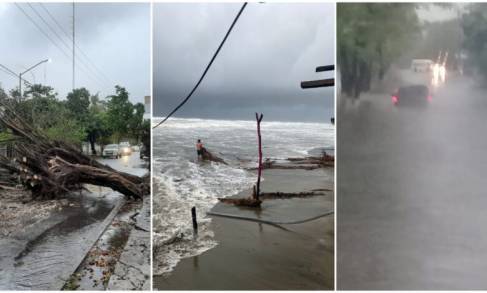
417 84
111 151
125 148
413 95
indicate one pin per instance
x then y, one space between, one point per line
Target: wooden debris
284 195
206 155
247 202
51 169
253 202
258 118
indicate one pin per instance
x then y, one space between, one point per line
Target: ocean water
181 181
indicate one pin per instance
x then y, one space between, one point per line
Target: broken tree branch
51 168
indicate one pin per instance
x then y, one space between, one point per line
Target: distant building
147 105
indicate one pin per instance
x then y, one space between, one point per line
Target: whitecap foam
182 182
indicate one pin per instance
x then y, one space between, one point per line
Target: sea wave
182 182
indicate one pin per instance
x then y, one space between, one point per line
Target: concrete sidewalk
132 271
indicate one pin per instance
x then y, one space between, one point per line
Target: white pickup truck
416 84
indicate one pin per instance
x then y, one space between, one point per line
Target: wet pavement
132 272
258 255
411 192
129 164
45 253
46 260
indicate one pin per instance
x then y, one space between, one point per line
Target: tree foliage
474 24
78 102
119 112
370 36
82 116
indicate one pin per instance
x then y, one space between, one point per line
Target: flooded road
44 255
411 193
129 164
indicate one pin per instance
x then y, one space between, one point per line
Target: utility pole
20 87
321 82
73 45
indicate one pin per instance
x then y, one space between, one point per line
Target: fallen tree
52 168
207 156
252 202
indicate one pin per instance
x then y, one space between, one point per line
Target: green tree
136 121
370 36
39 91
97 128
41 108
38 101
119 113
3 94
474 24
65 128
78 102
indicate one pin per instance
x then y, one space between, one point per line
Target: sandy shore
255 256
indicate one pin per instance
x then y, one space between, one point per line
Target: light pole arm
29 69
34 66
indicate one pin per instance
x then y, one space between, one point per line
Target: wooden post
259 119
321 82
195 223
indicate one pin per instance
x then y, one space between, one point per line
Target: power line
74 53
48 25
13 73
40 29
8 70
53 42
63 42
5 71
75 45
207 67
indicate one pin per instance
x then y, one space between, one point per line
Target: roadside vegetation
373 36
370 37
81 117
474 24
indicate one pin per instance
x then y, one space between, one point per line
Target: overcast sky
433 13
272 48
114 36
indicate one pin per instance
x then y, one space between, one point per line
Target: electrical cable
11 72
54 43
206 69
274 223
67 46
98 71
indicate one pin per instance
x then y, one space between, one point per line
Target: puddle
45 260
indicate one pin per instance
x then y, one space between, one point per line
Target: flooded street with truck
411 191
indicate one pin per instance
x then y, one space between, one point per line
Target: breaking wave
181 182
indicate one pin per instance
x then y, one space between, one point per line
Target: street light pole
20 86
27 70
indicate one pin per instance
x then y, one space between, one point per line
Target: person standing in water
199 149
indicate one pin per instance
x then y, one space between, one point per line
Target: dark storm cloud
271 50
115 37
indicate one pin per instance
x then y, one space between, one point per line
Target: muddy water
44 259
